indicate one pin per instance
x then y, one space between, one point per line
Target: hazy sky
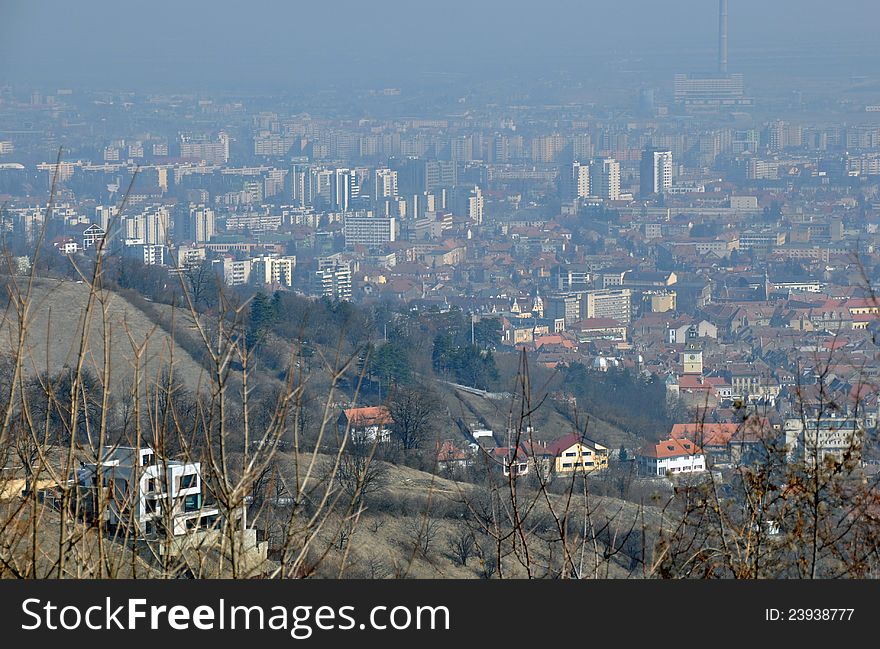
229 43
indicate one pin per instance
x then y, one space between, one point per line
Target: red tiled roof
368 416
694 382
565 443
709 433
447 451
671 448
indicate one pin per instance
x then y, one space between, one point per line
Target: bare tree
414 410
421 533
359 473
461 544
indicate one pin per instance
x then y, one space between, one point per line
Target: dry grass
55 330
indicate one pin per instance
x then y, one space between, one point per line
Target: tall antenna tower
722 37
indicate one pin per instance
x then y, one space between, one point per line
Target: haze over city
465 290
226 46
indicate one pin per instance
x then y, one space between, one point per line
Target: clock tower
692 356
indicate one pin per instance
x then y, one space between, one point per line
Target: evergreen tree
260 318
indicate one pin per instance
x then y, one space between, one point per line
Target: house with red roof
723 442
366 424
451 455
671 457
573 453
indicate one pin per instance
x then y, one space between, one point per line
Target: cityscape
533 324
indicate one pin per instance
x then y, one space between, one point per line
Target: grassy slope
55 330
550 421
383 538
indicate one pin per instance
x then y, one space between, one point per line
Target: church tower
692 356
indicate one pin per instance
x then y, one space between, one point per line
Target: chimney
722 37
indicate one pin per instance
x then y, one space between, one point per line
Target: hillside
384 538
55 329
550 421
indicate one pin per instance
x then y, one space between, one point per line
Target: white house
156 495
671 457
365 424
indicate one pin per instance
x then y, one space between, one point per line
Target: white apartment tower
372 231
341 190
332 279
575 181
655 172
201 223
605 176
301 185
385 184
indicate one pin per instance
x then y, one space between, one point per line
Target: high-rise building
439 174
461 148
655 172
547 148
253 191
565 307
582 146
609 303
104 214
605 179
149 227
321 186
781 135
236 272
384 185
332 279
341 190
575 181
301 185
468 202
201 147
372 231
710 92
273 269
149 255
201 223
273 183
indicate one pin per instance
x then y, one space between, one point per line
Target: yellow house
576 453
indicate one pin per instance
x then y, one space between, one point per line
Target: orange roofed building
368 423
729 441
671 457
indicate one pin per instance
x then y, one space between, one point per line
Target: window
152 506
566 465
146 459
192 503
586 453
189 480
570 454
151 485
